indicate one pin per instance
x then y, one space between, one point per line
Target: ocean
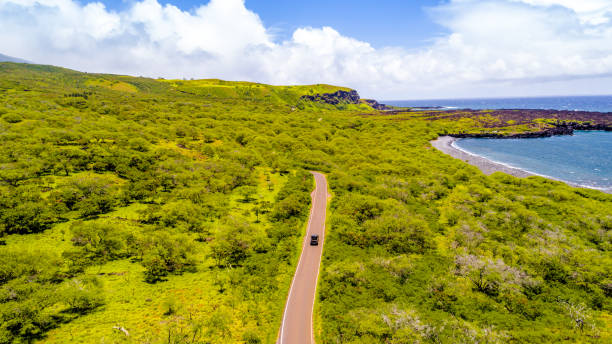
584 158
582 103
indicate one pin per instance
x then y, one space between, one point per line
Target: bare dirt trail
296 327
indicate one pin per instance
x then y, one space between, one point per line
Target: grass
142 308
113 85
219 89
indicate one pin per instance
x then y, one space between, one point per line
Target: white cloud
496 47
589 11
224 27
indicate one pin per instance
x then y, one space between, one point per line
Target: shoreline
445 144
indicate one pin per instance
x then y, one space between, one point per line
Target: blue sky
386 49
382 23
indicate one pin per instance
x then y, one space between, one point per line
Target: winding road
296 327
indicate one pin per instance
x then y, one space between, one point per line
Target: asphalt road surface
296 327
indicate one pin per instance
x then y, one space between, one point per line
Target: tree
261 207
99 240
22 211
235 240
139 144
165 254
287 208
69 159
89 194
82 295
246 192
13 175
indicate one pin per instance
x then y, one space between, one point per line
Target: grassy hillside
172 211
219 89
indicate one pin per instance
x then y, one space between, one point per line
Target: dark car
314 240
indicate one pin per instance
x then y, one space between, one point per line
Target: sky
381 23
386 49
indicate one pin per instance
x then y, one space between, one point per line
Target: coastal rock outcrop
376 105
345 97
340 96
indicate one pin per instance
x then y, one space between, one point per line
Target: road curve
296 327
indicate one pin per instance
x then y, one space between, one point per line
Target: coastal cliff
344 97
340 96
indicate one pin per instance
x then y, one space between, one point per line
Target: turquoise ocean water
584 158
582 103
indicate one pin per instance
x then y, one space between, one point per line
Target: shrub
165 254
27 218
12 118
235 240
491 276
91 195
23 211
139 144
82 295
287 208
360 207
99 241
24 322
399 233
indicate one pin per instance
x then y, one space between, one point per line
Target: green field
135 210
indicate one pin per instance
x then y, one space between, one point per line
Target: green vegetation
165 211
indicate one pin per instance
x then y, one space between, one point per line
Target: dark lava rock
350 97
376 105
542 133
344 97
560 128
563 122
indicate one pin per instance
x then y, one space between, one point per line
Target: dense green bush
12 118
99 241
81 295
23 210
166 254
236 240
291 200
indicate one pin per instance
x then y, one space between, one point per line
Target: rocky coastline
561 128
554 122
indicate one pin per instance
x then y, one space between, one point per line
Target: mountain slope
5 58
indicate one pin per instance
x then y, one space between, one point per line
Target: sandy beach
444 144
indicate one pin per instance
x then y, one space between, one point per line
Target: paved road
296 327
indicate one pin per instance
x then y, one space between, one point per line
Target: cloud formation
495 48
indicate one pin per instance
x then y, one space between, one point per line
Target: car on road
314 240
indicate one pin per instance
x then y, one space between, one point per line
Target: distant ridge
4 58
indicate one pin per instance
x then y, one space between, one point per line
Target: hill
5 58
153 211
